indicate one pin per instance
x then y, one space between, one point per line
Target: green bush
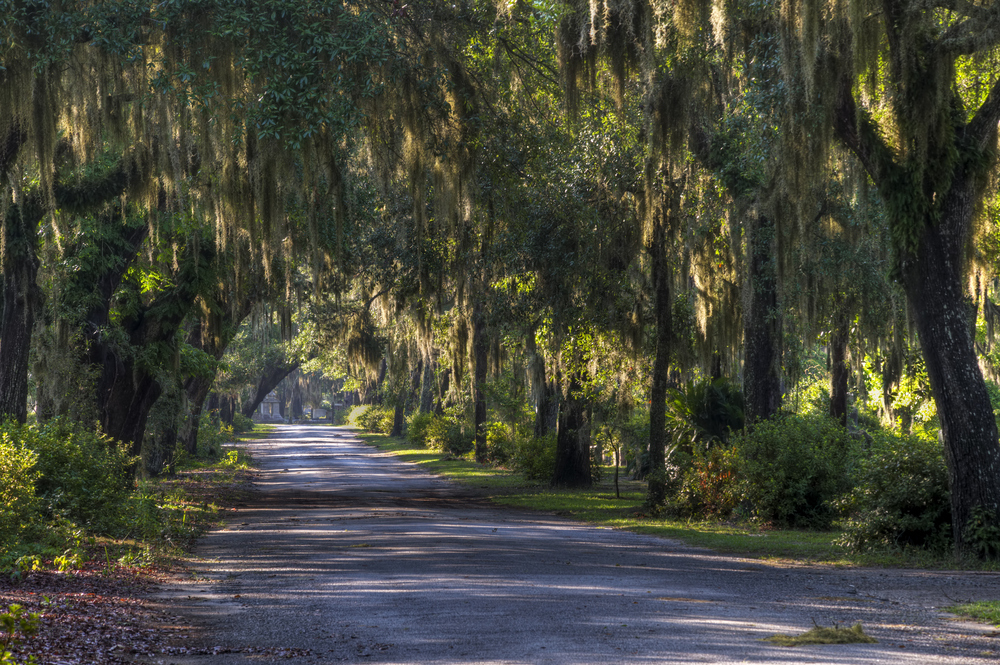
357 412
241 423
212 434
704 411
535 456
445 433
709 481
18 503
900 497
377 419
84 477
416 428
793 468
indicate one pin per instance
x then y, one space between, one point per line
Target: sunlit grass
600 506
987 611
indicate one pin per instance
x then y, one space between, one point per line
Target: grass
599 505
824 635
987 611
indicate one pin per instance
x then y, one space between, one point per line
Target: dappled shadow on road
356 556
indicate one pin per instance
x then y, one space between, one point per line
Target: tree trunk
197 390
273 375
839 370
936 294
479 351
761 324
540 391
398 413
573 440
656 493
22 300
427 387
296 401
443 391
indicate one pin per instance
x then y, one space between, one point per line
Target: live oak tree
910 89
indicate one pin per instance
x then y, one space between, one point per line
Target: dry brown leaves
94 615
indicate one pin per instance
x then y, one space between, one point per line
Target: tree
907 88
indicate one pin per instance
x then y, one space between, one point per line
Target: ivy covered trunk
761 324
942 313
573 439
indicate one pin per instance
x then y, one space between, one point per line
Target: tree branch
860 135
983 125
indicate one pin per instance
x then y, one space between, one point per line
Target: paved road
352 555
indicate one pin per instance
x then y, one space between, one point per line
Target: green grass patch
259 431
987 611
600 506
824 635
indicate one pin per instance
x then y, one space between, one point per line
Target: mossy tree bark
212 332
22 298
931 204
127 386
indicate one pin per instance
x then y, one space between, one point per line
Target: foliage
212 434
709 483
372 418
448 434
535 456
241 423
899 497
17 625
83 476
704 412
416 428
792 468
18 475
982 533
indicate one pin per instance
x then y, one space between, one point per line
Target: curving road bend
350 555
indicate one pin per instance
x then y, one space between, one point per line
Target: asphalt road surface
350 555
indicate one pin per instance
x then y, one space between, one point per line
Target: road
350 555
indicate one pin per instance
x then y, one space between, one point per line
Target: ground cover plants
988 611
89 546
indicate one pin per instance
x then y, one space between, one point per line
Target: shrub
445 433
501 441
356 413
416 428
84 476
793 468
710 485
241 423
900 497
377 419
18 475
705 411
535 456
212 434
